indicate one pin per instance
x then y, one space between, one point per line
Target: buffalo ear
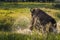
32 9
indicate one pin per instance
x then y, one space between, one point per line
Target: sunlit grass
18 36
21 14
26 12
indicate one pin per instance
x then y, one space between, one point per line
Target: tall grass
14 36
19 14
12 5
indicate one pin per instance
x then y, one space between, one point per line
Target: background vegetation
14 15
28 0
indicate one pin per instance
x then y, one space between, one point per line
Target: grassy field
18 14
34 36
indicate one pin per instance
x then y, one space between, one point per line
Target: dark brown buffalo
40 19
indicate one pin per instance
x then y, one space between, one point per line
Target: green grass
24 5
15 36
12 14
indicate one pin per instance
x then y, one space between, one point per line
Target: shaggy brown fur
40 19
